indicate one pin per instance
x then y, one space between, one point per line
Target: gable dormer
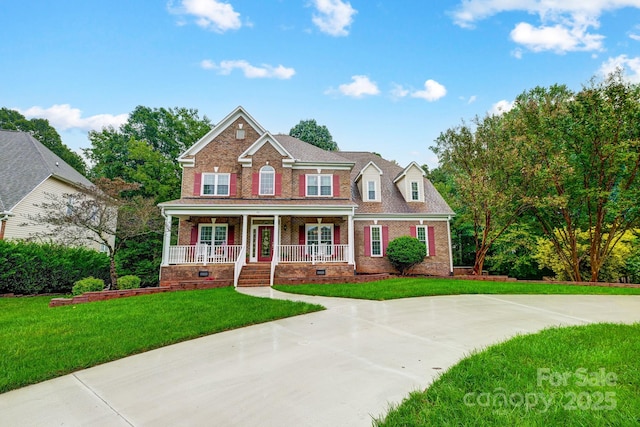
369 184
410 183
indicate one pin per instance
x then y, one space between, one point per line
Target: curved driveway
338 367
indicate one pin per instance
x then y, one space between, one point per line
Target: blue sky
385 76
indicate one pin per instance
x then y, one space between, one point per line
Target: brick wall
437 265
173 274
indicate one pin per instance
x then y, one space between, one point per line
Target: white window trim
319 225
213 233
371 228
215 184
375 191
319 186
411 191
272 172
426 236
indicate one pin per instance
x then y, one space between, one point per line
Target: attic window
240 132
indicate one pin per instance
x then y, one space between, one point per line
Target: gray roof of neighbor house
25 163
305 152
391 200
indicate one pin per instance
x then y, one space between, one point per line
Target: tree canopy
313 133
145 148
43 132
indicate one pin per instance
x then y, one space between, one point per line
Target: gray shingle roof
391 200
25 163
305 152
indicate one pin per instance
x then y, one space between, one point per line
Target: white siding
370 174
26 208
404 183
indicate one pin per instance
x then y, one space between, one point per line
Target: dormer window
267 181
240 132
415 191
371 191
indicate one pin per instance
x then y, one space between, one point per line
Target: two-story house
251 199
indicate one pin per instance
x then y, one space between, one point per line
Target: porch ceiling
204 207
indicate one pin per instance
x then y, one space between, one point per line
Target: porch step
255 275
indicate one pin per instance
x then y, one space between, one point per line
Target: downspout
450 249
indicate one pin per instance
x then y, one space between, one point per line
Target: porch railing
204 254
237 268
315 254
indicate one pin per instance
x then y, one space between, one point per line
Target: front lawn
421 287
573 376
38 343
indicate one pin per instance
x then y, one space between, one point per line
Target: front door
265 243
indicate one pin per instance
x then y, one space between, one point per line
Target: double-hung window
319 239
215 184
319 185
376 240
267 181
415 191
421 234
371 190
213 235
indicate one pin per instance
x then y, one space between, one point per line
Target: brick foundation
176 274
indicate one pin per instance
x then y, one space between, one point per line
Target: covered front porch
217 243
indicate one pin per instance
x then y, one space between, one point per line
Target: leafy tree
97 214
144 149
315 134
43 132
581 158
513 253
616 267
404 252
484 166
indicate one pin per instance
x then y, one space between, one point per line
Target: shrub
404 252
34 268
89 284
128 282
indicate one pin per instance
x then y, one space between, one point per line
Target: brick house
254 203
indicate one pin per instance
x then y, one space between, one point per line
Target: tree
581 157
98 214
484 165
315 134
144 149
404 252
43 132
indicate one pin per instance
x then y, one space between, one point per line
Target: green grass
591 373
38 343
419 287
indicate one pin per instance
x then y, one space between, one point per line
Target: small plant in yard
404 252
89 284
128 282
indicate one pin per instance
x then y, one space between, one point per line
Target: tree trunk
112 272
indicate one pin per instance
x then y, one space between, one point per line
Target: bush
89 284
404 252
128 282
35 268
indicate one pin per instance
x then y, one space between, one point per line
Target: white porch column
166 242
450 248
276 238
352 256
245 218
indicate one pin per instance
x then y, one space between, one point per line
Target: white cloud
556 38
631 67
564 24
264 71
333 17
209 14
501 107
472 99
432 91
397 91
63 117
360 87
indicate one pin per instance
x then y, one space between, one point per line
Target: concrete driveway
338 367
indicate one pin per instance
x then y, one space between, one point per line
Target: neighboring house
250 197
29 170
